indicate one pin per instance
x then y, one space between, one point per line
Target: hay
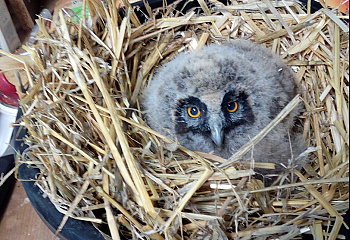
94 150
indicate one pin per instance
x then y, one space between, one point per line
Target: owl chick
218 98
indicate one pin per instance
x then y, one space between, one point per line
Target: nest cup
99 162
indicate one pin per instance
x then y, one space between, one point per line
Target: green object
79 13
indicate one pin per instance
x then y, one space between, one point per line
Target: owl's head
219 97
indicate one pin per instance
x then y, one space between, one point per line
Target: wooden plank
20 221
20 14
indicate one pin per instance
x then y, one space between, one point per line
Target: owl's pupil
194 111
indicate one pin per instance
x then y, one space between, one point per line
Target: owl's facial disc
215 118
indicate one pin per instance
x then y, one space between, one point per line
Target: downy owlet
218 98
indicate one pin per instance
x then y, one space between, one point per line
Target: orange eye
232 107
193 112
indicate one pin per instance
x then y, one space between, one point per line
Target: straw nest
94 151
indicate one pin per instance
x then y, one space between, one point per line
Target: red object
8 93
342 4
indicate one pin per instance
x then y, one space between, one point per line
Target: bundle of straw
94 150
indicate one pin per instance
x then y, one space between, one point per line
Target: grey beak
216 135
